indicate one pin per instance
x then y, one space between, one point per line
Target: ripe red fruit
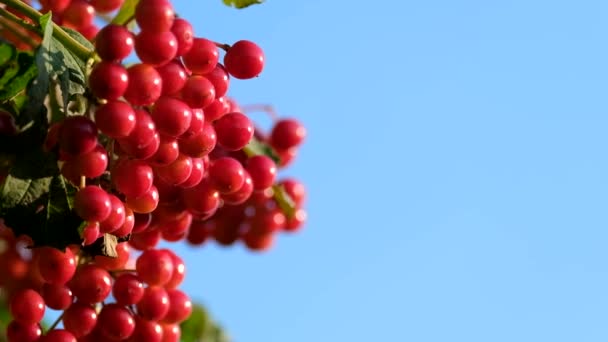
154 305
263 171
92 203
115 119
173 77
55 6
287 133
92 164
154 15
114 43
116 218
16 331
128 289
104 6
171 116
79 319
155 267
201 144
55 266
109 80
132 177
91 284
184 34
115 322
220 79
198 92
156 48
227 174
145 84
58 335
244 60
77 135
202 199
79 14
146 330
26 306
242 194
56 297
180 307
202 57
234 131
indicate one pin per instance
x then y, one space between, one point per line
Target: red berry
156 48
202 57
79 14
154 305
58 335
55 266
104 6
26 306
173 77
132 177
115 322
201 144
198 92
115 119
184 34
91 284
92 203
16 331
145 85
128 289
77 135
263 171
56 297
234 131
145 203
114 43
180 307
155 267
244 60
79 319
171 116
116 218
220 79
227 174
92 164
287 133
242 194
154 15
109 80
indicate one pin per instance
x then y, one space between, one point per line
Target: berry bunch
160 153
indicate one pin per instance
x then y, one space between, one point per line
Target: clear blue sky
457 166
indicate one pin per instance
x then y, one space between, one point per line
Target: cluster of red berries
161 154
146 303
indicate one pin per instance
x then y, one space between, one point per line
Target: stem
12 27
224 47
19 21
54 325
70 43
83 182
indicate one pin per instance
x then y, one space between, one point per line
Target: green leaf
37 201
7 53
242 3
257 147
126 12
200 328
19 73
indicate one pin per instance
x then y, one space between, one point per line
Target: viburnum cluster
160 153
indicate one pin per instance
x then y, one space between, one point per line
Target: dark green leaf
242 3
7 53
16 79
126 12
256 147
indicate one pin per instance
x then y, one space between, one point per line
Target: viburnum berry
227 175
234 131
109 80
154 305
198 92
132 177
242 194
26 306
287 133
184 34
55 266
263 171
244 59
77 135
128 289
202 57
79 14
56 297
16 331
115 322
220 79
155 267
154 15
105 6
114 43
155 48
91 284
144 84
79 319
92 203
58 335
173 77
171 116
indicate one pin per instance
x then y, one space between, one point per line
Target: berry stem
54 325
70 43
11 23
83 182
224 47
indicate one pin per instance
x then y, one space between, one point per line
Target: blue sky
456 166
